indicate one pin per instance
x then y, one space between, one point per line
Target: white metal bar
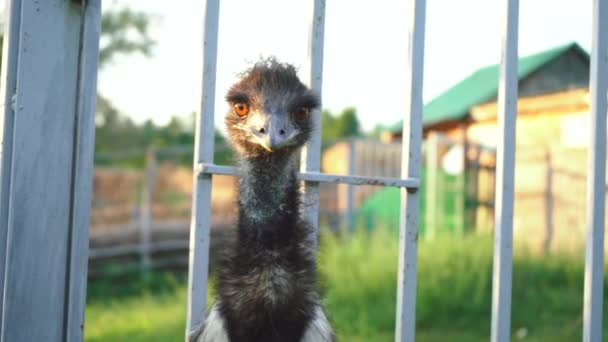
203 153
53 52
505 170
317 177
84 148
405 330
10 57
311 153
594 259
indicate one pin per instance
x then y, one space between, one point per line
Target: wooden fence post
548 204
350 189
51 52
472 200
146 215
431 188
443 144
460 212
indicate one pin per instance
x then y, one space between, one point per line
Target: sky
365 49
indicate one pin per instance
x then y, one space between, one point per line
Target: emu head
269 110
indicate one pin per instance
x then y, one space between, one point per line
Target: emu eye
241 109
301 113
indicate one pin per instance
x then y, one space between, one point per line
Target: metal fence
48 87
310 163
410 168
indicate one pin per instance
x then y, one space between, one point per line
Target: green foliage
146 318
358 277
343 125
121 142
124 31
349 123
378 130
120 285
114 132
453 284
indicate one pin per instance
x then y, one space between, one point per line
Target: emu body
266 286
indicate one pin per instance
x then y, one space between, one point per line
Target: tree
378 130
123 32
329 131
336 127
349 123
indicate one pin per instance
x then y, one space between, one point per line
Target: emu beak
265 142
276 132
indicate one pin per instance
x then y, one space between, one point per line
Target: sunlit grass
358 278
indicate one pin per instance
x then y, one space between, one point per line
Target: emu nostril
262 130
281 132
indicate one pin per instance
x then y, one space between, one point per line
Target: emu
266 286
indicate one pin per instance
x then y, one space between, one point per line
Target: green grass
358 282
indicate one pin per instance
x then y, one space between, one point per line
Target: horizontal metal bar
318 177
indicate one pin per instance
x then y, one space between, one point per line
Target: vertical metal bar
203 153
505 169
473 223
10 57
83 159
594 259
311 153
50 97
410 167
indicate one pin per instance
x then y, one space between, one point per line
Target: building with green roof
557 69
551 124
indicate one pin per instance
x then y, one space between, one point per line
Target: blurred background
148 94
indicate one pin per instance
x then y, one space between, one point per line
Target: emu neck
268 198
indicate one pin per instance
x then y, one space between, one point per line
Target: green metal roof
482 86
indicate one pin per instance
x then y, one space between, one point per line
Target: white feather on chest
318 330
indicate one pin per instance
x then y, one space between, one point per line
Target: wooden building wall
551 157
550 169
357 156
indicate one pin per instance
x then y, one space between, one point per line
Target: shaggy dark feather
266 285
